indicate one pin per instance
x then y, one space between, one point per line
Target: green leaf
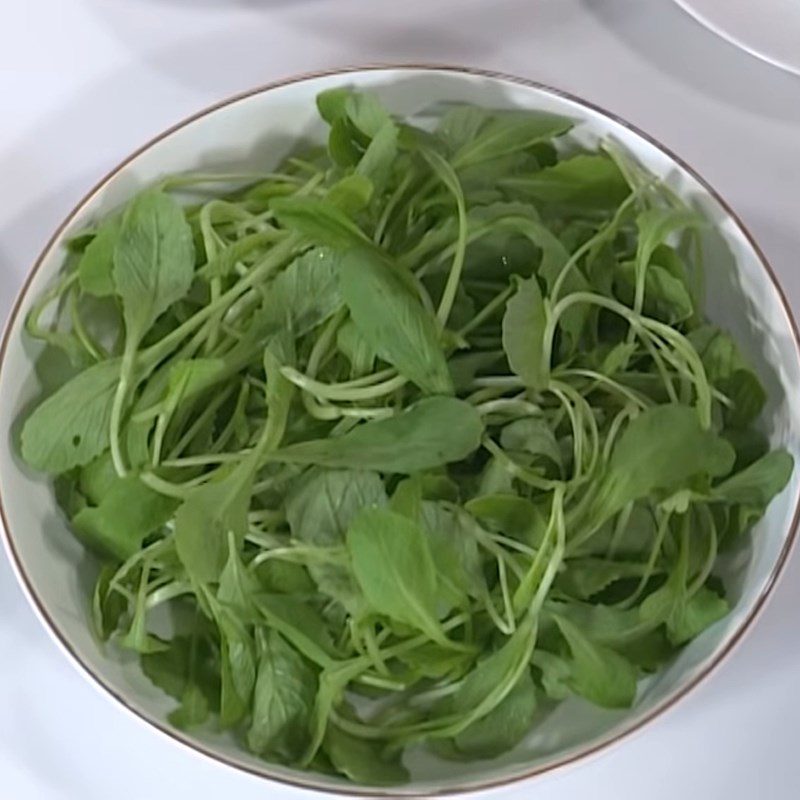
509 219
587 577
335 580
407 498
108 605
138 433
656 225
357 349
300 624
283 700
236 585
362 761
503 727
186 668
332 682
510 514
665 296
747 395
204 520
496 478
394 567
455 554
438 485
324 502
691 618
460 125
731 373
523 334
352 193
631 541
554 257
153 260
590 181
70 428
192 711
508 132
127 514
304 295
279 395
644 459
390 317
758 483
609 625
238 667
138 637
685 613
192 377
420 438
534 436
649 651
319 510
95 269
491 680
685 616
598 673
431 660
367 114
331 103
318 220
168 669
284 577
380 155
677 287
342 148
555 674
617 358
218 508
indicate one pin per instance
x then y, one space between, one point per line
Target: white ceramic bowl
255 130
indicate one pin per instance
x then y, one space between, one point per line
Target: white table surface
83 82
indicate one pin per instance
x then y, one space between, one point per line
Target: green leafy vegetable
758 483
283 700
583 181
128 512
153 268
95 270
322 506
385 447
238 668
508 132
304 294
394 567
503 727
322 222
204 520
388 315
645 459
417 439
70 428
153 260
596 672
523 334
362 761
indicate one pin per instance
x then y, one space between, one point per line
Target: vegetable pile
403 442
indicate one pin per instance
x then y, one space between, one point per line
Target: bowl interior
255 132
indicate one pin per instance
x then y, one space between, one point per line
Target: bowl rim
310 783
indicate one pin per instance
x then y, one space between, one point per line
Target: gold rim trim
613 738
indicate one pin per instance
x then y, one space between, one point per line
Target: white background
83 82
